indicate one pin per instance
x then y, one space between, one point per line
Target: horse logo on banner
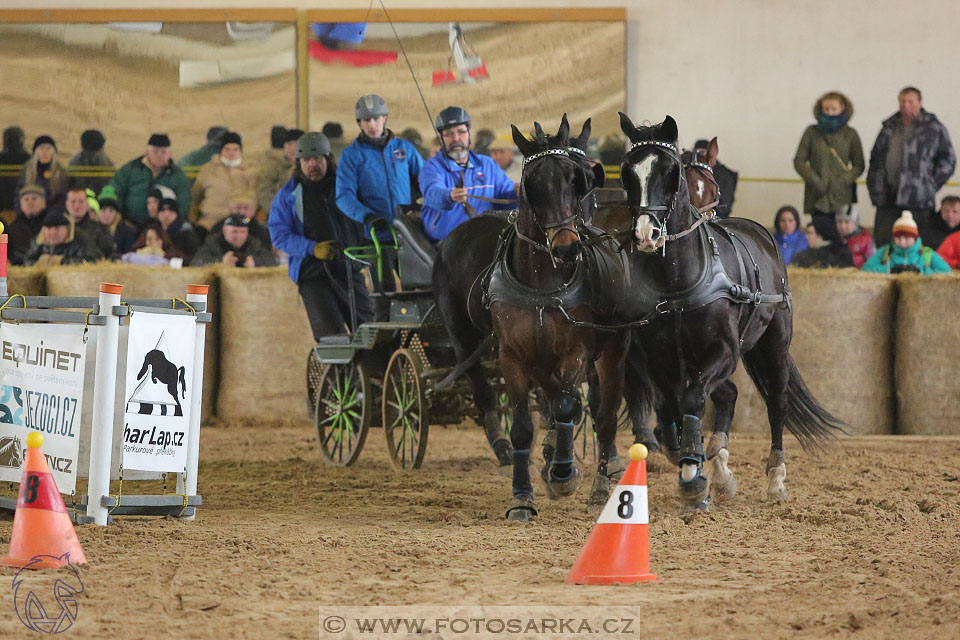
161 372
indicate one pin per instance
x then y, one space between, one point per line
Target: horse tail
805 417
183 381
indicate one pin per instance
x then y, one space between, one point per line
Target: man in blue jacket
374 178
450 180
306 224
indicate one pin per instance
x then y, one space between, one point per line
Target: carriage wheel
584 434
343 410
405 420
314 374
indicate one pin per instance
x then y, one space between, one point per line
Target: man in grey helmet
451 178
306 224
376 175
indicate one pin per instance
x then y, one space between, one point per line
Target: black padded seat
415 252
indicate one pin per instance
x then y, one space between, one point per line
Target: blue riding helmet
452 117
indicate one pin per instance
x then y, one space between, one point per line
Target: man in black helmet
306 224
375 177
450 180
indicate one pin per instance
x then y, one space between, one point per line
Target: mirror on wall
128 80
501 73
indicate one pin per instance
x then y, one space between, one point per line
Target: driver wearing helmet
374 176
450 180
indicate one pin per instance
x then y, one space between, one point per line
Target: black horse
722 295
462 259
167 373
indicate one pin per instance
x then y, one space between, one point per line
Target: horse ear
537 129
524 145
713 150
563 133
668 130
584 136
630 129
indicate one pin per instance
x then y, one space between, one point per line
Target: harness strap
471 360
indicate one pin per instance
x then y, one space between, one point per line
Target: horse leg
610 370
561 475
693 485
772 371
633 394
723 485
522 508
667 435
486 402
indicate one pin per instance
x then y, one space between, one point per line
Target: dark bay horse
723 296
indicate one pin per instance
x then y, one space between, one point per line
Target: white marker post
104 394
187 483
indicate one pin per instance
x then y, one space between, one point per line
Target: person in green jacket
906 252
133 181
829 159
193 160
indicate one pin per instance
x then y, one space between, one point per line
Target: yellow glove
326 250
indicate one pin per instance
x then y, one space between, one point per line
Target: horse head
553 182
698 170
652 174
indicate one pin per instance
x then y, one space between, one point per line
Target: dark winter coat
133 181
928 162
13 154
727 181
94 240
937 231
216 247
20 236
91 159
829 164
833 254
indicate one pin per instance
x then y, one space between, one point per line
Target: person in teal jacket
906 252
133 181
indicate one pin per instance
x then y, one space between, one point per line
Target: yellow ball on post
35 440
1 227
638 452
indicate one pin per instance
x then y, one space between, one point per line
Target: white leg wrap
776 492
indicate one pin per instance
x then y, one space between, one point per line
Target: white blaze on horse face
644 169
700 188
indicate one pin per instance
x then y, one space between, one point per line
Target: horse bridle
576 215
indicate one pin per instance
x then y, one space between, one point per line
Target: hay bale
27 281
149 282
843 347
927 350
265 338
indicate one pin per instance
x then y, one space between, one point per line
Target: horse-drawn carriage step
341 338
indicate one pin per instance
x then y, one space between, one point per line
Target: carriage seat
415 252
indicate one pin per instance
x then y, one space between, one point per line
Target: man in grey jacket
911 160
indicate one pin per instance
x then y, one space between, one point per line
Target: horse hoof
522 509
658 463
615 469
723 485
599 494
694 508
562 487
504 452
776 474
695 490
778 495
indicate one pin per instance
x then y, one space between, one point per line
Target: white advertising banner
41 389
158 380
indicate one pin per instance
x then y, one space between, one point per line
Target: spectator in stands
306 224
122 234
911 159
413 136
56 243
856 237
21 234
374 177
94 241
504 153
906 252
434 147
91 155
822 253
243 202
945 222
334 133
185 242
234 246
134 180
454 174
278 134
829 158
482 143
158 194
218 179
44 170
13 154
726 179
153 247
195 159
788 235
276 173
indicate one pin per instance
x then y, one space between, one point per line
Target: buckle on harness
756 298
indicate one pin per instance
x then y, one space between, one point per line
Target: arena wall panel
927 352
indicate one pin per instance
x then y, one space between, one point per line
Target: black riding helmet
451 117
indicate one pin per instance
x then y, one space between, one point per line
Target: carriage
399 374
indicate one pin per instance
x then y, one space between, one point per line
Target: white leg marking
776 492
722 480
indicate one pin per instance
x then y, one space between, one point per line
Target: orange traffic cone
41 526
618 549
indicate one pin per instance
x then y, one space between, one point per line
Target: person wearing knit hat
181 233
134 180
856 237
218 179
44 169
122 234
32 205
158 194
234 246
276 170
906 252
56 242
90 157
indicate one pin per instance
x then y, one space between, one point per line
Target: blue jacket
791 244
371 181
890 255
287 232
440 174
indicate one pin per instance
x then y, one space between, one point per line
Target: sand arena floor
867 546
